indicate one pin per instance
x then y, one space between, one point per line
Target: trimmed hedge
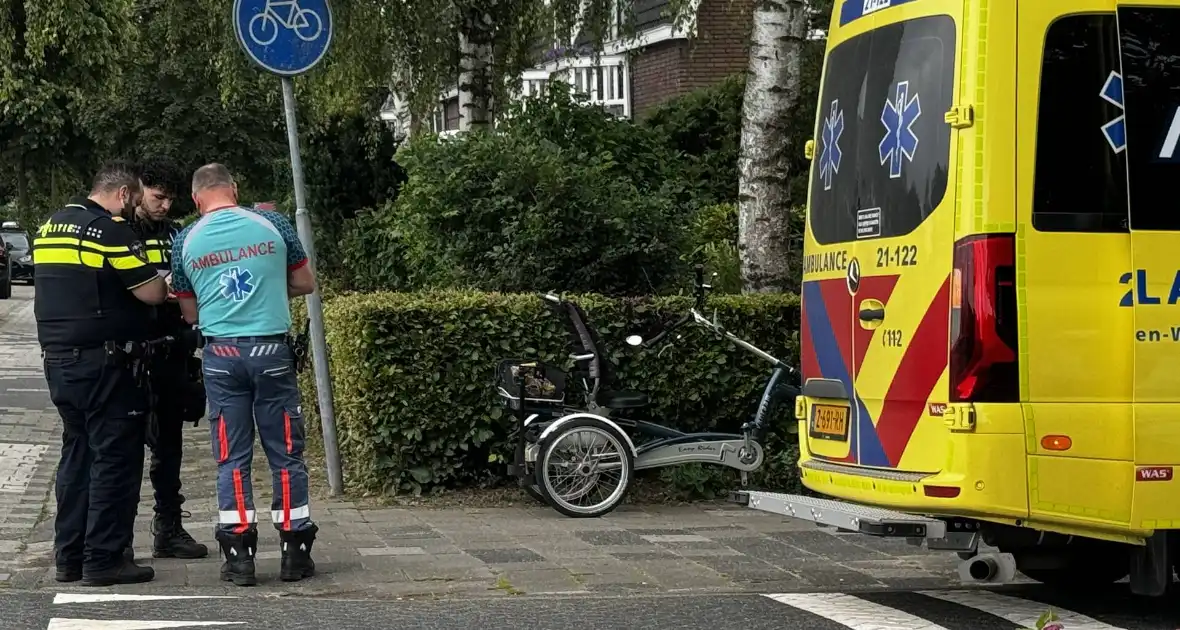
413 376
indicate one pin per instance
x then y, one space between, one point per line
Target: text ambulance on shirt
235 261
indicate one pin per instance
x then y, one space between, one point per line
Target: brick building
662 59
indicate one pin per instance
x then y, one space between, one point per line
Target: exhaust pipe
988 568
982 569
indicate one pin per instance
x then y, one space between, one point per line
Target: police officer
171 381
94 285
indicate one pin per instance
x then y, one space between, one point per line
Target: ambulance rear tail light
984 360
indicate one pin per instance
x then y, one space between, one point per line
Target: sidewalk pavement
433 552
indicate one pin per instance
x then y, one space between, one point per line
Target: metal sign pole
315 307
289 39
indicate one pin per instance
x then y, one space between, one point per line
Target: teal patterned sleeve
296 256
181 285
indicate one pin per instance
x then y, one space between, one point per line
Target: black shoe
123 573
172 541
68 574
238 551
297 562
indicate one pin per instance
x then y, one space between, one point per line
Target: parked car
5 272
20 251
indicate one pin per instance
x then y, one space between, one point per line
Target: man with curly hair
171 384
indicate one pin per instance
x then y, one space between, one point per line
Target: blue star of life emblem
236 285
829 152
900 142
1115 130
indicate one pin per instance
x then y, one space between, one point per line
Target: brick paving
28 428
430 552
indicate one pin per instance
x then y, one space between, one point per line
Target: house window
604 85
446 116
451 114
532 88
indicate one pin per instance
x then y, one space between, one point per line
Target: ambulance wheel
584 468
1079 569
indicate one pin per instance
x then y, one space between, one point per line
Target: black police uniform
91 328
175 397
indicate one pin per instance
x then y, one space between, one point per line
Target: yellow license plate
829 422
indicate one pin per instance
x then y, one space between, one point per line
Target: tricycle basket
543 383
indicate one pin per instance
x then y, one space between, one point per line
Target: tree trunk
475 56
772 95
415 125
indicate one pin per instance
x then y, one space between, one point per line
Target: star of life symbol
236 285
829 153
900 142
1115 130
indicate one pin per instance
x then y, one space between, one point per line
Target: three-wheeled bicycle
581 457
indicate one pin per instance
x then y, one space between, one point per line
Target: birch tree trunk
475 81
772 96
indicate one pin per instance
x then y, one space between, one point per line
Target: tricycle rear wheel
576 459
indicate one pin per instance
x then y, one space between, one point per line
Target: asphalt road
952 609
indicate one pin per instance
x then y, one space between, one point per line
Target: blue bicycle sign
286 37
264 27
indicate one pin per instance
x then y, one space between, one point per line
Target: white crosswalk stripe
87 598
58 623
854 612
1019 611
859 613
81 623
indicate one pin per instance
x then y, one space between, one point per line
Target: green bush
413 375
372 253
705 128
562 196
714 234
350 165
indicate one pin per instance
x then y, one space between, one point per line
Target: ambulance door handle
872 314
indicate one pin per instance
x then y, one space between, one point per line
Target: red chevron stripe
839 304
808 363
923 363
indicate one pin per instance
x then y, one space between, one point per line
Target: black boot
297 562
238 551
125 572
172 541
68 573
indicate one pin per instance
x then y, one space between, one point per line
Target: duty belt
298 343
135 354
251 339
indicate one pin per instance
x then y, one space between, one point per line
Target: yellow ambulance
990 339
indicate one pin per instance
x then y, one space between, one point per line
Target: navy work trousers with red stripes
250 381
